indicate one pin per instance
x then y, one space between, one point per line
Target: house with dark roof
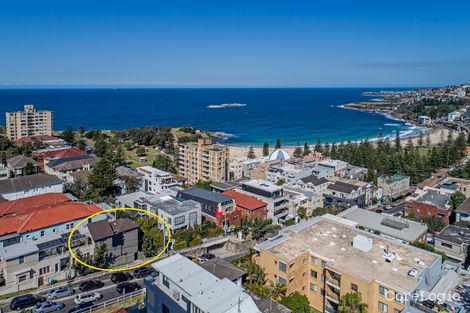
31 185
454 241
462 213
63 167
121 237
17 165
314 184
249 206
224 269
216 207
344 194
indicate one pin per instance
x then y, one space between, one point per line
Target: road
108 292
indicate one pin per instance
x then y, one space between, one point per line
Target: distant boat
226 105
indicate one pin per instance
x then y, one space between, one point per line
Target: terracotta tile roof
61 153
46 216
30 203
245 201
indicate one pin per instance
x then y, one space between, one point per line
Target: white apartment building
155 180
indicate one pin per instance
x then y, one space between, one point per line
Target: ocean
295 115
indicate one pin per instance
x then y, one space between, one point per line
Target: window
399 298
22 278
21 260
313 287
179 220
383 291
445 244
282 267
314 260
166 282
313 274
281 280
354 287
165 309
383 307
42 233
322 278
323 264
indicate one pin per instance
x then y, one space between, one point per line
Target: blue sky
234 43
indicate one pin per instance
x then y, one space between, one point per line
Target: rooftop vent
394 269
413 272
389 257
362 243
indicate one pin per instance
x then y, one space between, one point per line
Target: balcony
330 309
333 283
332 297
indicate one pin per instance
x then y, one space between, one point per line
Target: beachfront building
287 172
216 207
203 161
31 185
243 167
29 122
324 260
278 202
430 202
393 227
330 168
393 186
182 286
154 180
454 241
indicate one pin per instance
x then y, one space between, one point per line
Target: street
108 292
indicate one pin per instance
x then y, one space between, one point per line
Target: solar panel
394 224
62 241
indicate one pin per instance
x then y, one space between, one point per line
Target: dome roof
279 154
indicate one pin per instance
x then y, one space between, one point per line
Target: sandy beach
435 136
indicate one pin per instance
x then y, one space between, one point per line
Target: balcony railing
332 297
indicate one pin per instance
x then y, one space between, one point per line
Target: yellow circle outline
123 268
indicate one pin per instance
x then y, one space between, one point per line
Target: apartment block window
282 266
42 233
314 260
21 260
313 287
444 244
322 278
323 264
179 220
354 287
383 307
22 278
313 274
383 291
166 281
281 280
399 298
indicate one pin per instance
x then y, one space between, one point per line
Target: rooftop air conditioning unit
176 295
413 272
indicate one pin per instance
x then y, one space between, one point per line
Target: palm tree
352 303
278 291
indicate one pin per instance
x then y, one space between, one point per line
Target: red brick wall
420 209
258 213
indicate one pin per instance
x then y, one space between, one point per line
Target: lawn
124 304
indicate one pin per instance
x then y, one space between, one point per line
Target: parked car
25 301
60 292
81 307
127 287
142 272
48 306
90 285
87 297
120 277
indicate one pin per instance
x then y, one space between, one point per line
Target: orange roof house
249 206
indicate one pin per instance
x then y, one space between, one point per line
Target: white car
87 297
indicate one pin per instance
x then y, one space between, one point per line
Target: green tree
140 151
298 152
318 147
302 212
164 163
265 148
80 268
101 180
278 291
131 183
280 182
297 303
251 153
100 256
204 184
306 149
352 303
101 146
81 144
81 130
457 198
69 136
278 144
30 169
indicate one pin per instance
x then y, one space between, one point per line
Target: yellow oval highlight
123 268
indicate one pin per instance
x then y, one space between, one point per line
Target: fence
110 302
